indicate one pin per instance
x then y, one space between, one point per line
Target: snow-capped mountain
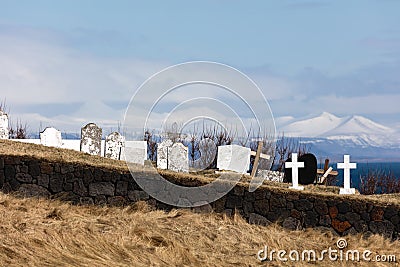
310 127
349 131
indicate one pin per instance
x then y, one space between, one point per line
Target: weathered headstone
295 165
178 158
233 158
4 133
51 137
162 154
135 152
113 145
307 174
91 139
346 165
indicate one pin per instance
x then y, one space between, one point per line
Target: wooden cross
258 155
325 172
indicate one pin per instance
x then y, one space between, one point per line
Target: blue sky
77 61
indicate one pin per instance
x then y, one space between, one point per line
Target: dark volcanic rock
32 190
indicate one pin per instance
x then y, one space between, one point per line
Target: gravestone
162 154
307 174
347 166
4 133
51 137
233 158
178 158
91 139
135 152
113 145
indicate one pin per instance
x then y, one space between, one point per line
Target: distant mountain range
332 136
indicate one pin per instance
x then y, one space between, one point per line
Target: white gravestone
4 133
91 139
178 158
113 145
295 165
162 154
135 152
233 158
51 137
346 166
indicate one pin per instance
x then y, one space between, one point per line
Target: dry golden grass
14 148
37 232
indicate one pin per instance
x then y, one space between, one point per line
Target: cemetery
96 173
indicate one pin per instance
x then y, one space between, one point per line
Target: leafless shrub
379 182
331 180
19 131
173 132
286 146
194 147
220 136
268 146
389 184
151 140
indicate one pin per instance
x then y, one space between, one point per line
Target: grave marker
178 158
307 174
135 152
162 154
91 139
51 137
4 133
294 165
113 145
233 158
346 165
258 155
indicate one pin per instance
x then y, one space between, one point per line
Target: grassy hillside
37 232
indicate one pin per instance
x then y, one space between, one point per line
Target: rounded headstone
307 174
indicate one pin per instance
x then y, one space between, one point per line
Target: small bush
379 182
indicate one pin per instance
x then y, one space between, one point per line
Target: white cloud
35 72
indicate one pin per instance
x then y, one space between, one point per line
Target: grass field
38 232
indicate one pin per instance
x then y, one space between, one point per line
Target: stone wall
84 184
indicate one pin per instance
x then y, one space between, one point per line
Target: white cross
346 166
295 165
